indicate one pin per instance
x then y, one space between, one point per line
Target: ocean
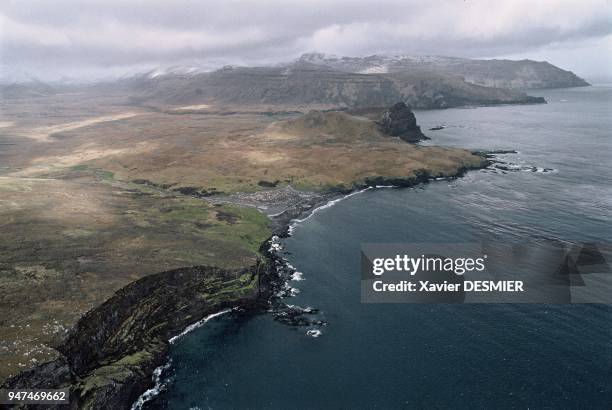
557 187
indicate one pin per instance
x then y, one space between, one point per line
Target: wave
197 324
154 391
297 276
158 384
314 333
295 222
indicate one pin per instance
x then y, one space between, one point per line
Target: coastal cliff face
108 357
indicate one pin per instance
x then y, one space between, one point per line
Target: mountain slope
274 85
432 90
304 84
28 89
491 73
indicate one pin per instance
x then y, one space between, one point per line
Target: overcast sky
85 39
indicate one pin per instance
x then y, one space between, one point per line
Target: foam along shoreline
274 246
158 387
286 272
294 222
287 220
308 214
102 369
86 360
158 384
197 325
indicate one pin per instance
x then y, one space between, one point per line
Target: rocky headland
144 217
399 121
108 357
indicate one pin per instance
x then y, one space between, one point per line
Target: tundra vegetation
97 192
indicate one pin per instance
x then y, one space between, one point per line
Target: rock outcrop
399 121
109 356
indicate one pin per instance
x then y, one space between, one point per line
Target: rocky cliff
399 121
522 74
108 357
305 84
426 90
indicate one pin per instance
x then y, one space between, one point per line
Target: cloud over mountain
96 38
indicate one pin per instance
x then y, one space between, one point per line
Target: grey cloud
89 38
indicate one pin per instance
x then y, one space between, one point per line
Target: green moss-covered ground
68 244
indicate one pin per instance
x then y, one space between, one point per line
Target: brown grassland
90 195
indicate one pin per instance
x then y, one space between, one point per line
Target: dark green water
432 356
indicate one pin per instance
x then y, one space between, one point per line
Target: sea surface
432 356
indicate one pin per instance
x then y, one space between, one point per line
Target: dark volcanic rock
268 184
399 121
108 357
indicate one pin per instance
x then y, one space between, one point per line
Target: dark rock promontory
108 357
399 121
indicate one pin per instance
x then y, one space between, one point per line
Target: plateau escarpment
304 84
522 74
315 78
426 90
272 85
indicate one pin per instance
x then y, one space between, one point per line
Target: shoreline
110 356
86 373
158 385
299 213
